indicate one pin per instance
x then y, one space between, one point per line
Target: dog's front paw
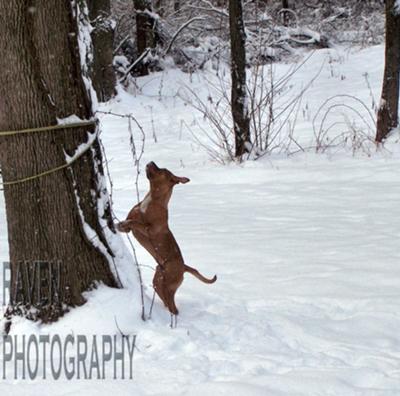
123 226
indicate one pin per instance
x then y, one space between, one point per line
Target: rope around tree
48 129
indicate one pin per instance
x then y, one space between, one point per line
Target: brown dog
148 221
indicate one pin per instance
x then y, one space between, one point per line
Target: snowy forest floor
306 249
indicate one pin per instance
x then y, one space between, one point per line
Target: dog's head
163 179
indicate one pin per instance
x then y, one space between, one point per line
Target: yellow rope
45 129
48 172
49 128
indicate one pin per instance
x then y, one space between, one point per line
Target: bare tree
389 106
238 72
102 37
64 215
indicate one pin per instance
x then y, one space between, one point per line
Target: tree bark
145 35
241 123
103 76
159 7
48 218
285 14
387 117
177 5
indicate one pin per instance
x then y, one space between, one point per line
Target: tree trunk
387 118
145 36
238 72
285 14
103 76
57 217
159 7
177 5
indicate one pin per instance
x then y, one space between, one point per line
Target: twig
136 159
152 304
185 25
116 324
121 43
133 65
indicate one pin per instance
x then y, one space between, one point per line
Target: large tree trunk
58 216
238 72
103 76
389 105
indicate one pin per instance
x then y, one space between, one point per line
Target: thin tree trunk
241 123
48 218
103 76
285 14
145 36
177 5
159 7
387 118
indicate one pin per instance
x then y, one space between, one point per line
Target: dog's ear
182 180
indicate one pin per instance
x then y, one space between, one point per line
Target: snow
121 60
121 254
397 7
306 249
85 49
82 148
314 37
71 119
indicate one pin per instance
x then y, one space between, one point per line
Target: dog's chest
145 204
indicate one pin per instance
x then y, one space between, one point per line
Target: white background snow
306 250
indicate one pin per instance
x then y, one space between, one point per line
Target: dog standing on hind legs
148 221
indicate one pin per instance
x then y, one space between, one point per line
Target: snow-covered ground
306 250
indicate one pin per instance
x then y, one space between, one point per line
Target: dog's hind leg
170 302
170 291
158 284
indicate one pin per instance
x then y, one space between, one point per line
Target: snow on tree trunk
145 34
387 118
238 73
64 216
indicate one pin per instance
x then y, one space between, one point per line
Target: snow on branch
210 7
185 25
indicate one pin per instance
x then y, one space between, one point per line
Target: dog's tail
197 274
123 226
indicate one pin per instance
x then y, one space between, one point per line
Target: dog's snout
151 168
152 164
